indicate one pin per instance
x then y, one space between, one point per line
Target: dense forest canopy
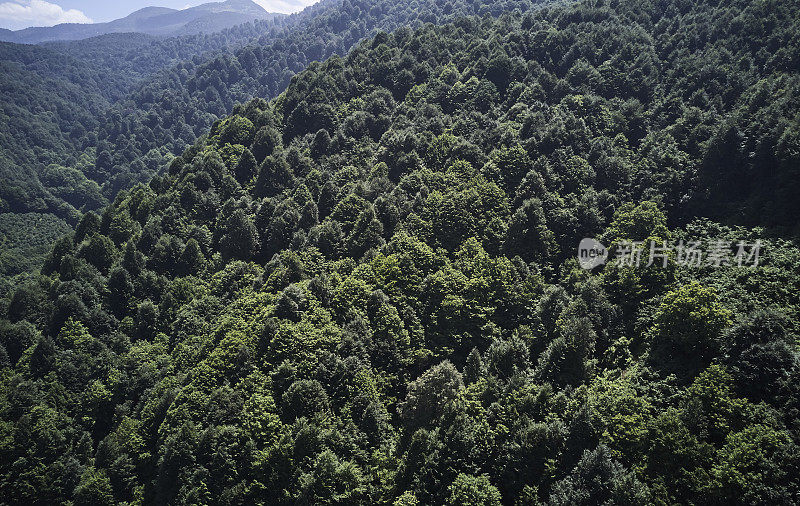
55 96
53 100
148 98
365 290
165 114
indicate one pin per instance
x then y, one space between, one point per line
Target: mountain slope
133 139
47 100
208 18
364 291
53 95
177 106
52 98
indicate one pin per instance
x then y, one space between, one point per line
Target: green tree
192 259
94 489
758 464
274 176
429 394
236 130
240 239
689 322
598 479
528 235
99 251
331 482
266 141
246 168
120 291
304 398
473 491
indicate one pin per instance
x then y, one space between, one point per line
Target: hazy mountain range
209 17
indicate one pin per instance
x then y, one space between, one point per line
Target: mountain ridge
154 20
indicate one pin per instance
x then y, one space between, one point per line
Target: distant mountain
209 17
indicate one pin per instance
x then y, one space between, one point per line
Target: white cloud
23 13
285 6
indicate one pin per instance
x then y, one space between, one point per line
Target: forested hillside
172 110
365 290
158 107
55 96
53 100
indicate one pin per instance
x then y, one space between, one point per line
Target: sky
17 14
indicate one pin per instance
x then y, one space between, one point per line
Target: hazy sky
16 14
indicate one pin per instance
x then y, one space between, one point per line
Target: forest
53 99
355 280
109 112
